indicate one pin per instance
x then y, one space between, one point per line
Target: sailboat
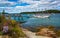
41 16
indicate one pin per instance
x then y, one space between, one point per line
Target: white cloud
41 4
4 2
35 2
34 5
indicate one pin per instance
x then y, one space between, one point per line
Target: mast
42 11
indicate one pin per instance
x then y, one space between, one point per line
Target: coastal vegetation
46 11
14 29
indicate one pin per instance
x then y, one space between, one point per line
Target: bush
13 27
16 33
1 33
58 33
51 28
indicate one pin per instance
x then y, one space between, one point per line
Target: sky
18 6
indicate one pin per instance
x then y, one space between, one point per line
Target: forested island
46 11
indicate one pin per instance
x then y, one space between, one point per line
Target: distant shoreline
46 11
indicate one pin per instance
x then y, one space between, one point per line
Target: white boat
41 16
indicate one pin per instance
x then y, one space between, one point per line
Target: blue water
53 20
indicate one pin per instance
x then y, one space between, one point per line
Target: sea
53 20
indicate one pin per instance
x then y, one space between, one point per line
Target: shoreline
33 35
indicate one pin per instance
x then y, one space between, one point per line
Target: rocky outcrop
47 32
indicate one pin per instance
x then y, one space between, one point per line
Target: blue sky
17 6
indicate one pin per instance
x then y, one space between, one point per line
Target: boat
41 16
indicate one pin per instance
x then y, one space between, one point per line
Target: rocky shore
33 35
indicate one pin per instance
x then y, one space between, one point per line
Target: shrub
13 27
58 33
1 33
16 33
51 28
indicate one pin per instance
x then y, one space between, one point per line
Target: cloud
35 2
42 4
34 5
6 3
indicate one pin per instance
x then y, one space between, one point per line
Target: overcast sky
17 6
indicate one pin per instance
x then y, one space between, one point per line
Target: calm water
53 20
